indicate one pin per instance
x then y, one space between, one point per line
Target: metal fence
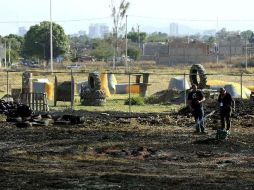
156 85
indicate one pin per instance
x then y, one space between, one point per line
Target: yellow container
44 87
104 84
49 89
133 88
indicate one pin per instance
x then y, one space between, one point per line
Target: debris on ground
95 150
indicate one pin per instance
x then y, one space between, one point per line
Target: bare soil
112 151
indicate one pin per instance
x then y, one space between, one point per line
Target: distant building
232 46
194 51
173 29
209 32
22 31
98 30
82 33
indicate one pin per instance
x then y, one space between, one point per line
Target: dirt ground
111 151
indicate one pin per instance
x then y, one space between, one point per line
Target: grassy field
159 80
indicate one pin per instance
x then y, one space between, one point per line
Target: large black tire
99 94
94 81
93 98
94 102
195 71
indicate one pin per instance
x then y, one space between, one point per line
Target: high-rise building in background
173 29
98 30
82 33
22 31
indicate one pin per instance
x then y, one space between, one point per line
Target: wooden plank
36 101
40 101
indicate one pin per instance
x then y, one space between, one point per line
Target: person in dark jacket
195 99
225 103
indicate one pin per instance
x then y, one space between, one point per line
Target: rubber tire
94 102
198 69
94 81
92 96
99 94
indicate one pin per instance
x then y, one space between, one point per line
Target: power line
72 20
134 16
79 20
193 20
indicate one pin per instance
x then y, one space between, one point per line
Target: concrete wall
183 52
193 52
232 46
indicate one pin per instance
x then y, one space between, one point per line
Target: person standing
195 103
225 103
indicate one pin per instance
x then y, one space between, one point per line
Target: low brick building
188 52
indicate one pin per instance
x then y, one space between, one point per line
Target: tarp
251 88
217 84
178 83
232 87
235 91
112 83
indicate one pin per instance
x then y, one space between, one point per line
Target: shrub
135 101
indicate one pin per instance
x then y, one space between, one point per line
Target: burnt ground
110 151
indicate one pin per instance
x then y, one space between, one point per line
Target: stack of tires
91 94
198 76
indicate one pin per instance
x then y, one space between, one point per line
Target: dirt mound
166 97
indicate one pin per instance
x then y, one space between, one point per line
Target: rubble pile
166 97
22 116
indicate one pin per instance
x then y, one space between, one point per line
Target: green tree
138 37
211 40
133 51
246 34
157 37
102 49
222 34
78 46
16 44
37 41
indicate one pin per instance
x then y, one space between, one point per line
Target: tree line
36 43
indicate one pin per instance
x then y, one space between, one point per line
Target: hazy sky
75 15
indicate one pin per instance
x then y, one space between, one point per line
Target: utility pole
230 52
5 53
126 42
217 54
217 41
114 47
138 37
246 55
9 52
